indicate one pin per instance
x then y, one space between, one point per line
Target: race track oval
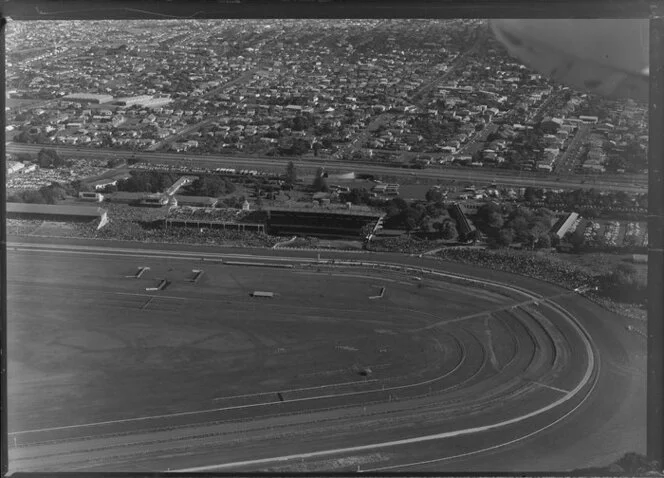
539 369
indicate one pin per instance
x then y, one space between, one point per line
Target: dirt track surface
105 375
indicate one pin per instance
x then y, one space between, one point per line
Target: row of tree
156 181
147 182
49 158
210 186
50 194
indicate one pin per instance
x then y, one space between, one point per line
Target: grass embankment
566 270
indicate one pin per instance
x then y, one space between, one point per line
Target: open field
96 363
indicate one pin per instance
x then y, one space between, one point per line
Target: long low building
56 212
89 98
565 224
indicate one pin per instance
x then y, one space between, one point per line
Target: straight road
359 140
566 163
243 78
480 176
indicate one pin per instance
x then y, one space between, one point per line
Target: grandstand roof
323 210
196 200
53 209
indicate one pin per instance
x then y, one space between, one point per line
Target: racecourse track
359 362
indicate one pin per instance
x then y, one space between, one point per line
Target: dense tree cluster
530 227
210 186
147 182
299 123
49 158
293 147
434 130
426 217
357 196
26 137
434 195
50 194
502 226
291 174
320 181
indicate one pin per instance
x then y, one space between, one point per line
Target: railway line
502 178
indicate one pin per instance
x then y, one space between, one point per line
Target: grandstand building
211 218
57 213
464 226
321 222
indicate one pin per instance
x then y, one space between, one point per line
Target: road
482 37
476 176
244 77
477 141
567 161
566 399
359 140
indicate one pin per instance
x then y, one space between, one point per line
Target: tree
577 239
473 235
53 193
530 194
538 236
358 196
434 195
299 123
320 181
80 186
448 231
543 242
490 216
300 147
505 237
411 218
495 220
49 158
291 173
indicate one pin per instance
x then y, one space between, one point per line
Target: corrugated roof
52 209
195 199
